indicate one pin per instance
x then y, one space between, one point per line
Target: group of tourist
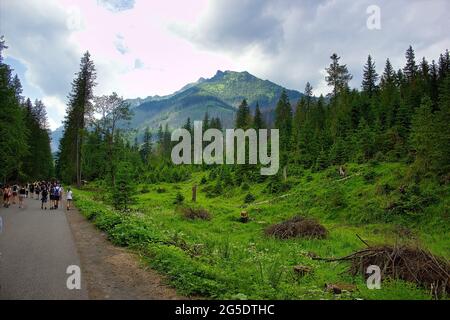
48 192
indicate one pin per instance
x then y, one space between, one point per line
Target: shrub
336 199
384 189
249 198
124 190
276 185
161 190
145 189
179 198
369 176
245 186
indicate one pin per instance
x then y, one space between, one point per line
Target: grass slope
223 258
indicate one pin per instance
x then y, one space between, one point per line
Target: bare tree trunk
78 161
194 193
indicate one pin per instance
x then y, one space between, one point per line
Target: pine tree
188 125
146 149
389 96
308 94
370 77
206 122
79 108
410 70
388 77
12 124
424 137
258 121
338 75
434 85
243 117
283 121
364 141
322 161
125 189
442 126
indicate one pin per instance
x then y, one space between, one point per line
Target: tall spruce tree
146 148
370 77
258 121
79 109
283 122
410 70
243 117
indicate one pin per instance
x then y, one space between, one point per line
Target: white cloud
143 48
290 41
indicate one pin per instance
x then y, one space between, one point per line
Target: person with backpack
44 196
32 190
58 193
22 195
52 196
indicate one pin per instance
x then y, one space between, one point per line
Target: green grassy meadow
225 259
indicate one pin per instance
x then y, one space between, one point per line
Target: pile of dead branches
196 213
403 262
297 227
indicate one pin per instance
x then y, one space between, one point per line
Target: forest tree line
398 115
25 153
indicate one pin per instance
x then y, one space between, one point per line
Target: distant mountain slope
219 96
55 136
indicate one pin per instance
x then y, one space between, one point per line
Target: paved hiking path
37 246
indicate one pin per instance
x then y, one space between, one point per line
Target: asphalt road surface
36 248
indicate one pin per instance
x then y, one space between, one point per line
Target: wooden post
285 173
194 193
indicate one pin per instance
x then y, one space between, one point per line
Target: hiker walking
58 194
37 190
6 196
52 196
15 189
22 195
44 196
69 197
32 190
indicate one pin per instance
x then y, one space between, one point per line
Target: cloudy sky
149 47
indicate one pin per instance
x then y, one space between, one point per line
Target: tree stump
301 271
244 216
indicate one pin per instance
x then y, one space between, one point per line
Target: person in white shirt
69 198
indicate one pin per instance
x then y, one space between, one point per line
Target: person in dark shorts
44 198
37 190
57 195
52 196
22 195
31 190
15 189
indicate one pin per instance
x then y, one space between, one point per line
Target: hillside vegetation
225 258
359 169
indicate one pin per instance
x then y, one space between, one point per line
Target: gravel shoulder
111 272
